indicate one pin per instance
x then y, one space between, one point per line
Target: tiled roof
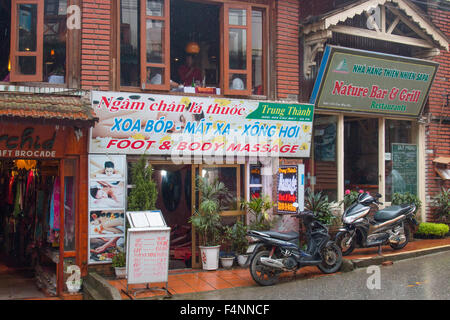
47 107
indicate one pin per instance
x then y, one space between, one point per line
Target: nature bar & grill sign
363 81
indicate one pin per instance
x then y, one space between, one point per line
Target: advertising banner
364 81
287 195
174 125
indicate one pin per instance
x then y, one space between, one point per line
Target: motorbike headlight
348 220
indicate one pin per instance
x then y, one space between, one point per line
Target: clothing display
29 220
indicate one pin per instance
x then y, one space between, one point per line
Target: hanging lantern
192 48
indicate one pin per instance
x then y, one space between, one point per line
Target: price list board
147 257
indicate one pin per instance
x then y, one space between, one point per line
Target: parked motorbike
273 252
388 226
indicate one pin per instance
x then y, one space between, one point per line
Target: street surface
422 278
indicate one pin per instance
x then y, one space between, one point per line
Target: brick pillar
438 131
287 48
96 44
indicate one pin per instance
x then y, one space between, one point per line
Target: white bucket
210 257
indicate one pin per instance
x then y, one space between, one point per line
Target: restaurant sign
132 123
365 81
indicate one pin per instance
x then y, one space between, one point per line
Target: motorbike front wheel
331 258
263 275
342 239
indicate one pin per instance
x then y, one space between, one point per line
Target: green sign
282 111
404 168
364 81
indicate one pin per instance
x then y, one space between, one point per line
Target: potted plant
240 241
227 257
119 265
441 205
259 209
319 205
207 221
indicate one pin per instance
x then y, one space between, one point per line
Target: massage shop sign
365 81
184 126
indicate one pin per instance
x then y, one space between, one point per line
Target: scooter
272 253
388 226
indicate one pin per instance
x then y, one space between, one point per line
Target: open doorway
361 154
174 184
29 228
195 32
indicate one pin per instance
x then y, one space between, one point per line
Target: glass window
257 52
129 43
398 175
324 168
70 174
238 49
227 175
55 30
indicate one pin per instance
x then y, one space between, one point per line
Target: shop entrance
174 183
361 154
28 235
37 226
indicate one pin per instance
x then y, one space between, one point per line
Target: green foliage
239 237
432 229
144 194
442 204
119 260
319 205
259 209
406 198
206 220
350 198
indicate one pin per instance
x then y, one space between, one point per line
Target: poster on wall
287 190
180 125
107 194
103 249
372 82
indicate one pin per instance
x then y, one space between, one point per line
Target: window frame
165 88
15 76
225 49
165 18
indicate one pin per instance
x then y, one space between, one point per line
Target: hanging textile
55 206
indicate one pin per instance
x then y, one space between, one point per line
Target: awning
47 108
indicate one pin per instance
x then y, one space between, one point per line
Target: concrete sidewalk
182 281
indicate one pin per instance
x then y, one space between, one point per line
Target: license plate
251 248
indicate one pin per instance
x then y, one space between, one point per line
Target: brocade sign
179 125
365 81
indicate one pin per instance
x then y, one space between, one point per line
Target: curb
378 260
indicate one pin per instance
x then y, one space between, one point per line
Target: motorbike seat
282 236
391 212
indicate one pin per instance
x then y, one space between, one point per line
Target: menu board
147 257
404 168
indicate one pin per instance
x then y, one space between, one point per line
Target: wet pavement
422 278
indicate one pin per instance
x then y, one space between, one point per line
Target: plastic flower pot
210 257
227 262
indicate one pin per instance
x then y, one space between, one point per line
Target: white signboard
147 255
131 123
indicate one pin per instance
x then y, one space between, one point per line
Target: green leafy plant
239 237
206 220
259 209
319 205
406 198
144 194
441 203
350 198
431 230
119 260
226 241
